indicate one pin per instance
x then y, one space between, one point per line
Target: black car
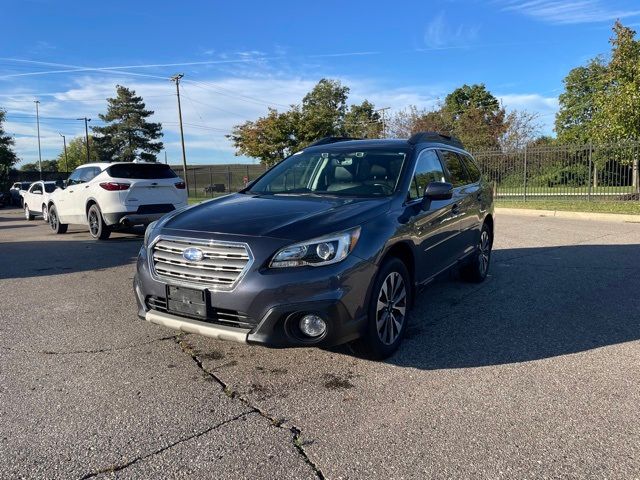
327 247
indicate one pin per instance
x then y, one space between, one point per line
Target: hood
279 216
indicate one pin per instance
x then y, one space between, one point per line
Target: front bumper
270 303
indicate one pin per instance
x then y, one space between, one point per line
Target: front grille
231 318
222 266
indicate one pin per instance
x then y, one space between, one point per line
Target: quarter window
457 173
428 169
37 188
472 168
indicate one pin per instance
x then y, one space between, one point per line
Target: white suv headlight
318 251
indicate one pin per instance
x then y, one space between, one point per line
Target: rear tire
97 228
388 311
54 221
45 213
478 267
27 214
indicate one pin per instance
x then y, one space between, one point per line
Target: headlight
317 252
149 232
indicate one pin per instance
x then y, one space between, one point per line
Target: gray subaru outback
327 247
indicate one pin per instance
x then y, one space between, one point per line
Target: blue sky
239 58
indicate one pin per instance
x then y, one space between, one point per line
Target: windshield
364 172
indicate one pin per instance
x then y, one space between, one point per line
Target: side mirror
436 191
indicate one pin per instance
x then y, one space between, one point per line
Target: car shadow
51 257
537 303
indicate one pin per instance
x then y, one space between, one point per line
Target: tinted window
89 173
472 168
49 187
428 169
457 173
145 171
24 185
76 176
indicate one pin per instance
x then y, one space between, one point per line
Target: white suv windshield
365 172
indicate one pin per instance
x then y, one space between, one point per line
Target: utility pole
165 158
86 135
384 125
66 160
176 78
37 102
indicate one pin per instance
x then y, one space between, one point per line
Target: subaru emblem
193 254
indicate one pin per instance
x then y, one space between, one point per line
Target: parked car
107 196
5 199
36 199
17 191
327 247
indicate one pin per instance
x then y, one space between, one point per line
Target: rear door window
76 176
143 171
457 173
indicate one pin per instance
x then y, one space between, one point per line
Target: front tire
388 311
478 267
27 214
54 221
97 228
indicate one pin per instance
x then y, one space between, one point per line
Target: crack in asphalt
97 350
122 466
278 423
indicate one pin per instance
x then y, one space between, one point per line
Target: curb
603 217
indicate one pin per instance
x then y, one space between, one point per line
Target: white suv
36 199
106 196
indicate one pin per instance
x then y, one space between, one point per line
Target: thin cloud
569 12
439 34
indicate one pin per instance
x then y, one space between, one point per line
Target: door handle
86 186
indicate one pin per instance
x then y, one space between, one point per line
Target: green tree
128 135
362 121
77 154
8 157
323 111
47 166
573 122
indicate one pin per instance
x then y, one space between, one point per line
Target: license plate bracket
187 301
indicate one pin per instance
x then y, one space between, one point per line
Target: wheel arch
404 252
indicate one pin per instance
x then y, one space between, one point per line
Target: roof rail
435 137
327 140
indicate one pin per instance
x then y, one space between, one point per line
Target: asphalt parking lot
533 374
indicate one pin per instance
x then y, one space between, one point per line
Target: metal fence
207 181
606 172
562 172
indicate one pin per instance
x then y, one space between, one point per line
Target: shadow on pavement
538 303
53 257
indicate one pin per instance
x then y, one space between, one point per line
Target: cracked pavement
532 374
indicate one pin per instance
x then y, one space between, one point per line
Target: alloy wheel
45 215
93 223
484 250
53 220
26 212
391 308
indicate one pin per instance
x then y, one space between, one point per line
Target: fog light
312 325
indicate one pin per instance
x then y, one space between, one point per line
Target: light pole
384 125
86 135
37 102
66 160
176 78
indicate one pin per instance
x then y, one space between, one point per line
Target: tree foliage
577 102
77 154
323 113
47 166
128 135
8 157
